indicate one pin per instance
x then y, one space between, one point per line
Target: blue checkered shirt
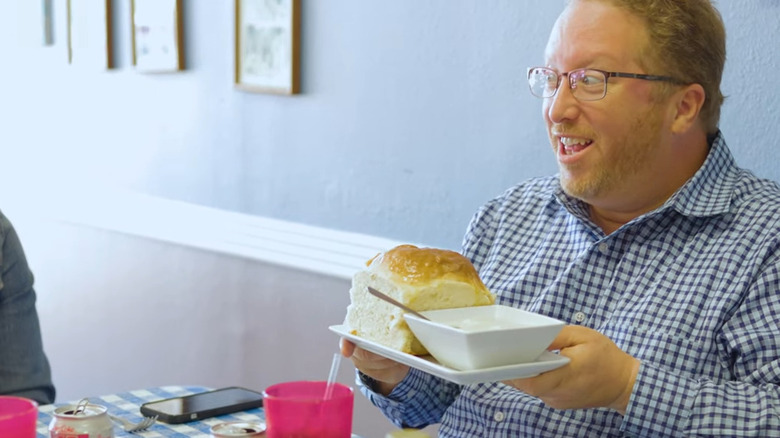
691 289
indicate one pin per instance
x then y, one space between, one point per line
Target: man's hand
386 372
599 374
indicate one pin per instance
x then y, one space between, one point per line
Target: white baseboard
325 251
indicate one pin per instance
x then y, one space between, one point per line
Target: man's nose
563 105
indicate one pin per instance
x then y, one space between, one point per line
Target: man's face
607 150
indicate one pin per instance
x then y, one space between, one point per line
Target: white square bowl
472 338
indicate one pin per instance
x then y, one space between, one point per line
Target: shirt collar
707 193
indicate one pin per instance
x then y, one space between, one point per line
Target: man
658 251
24 369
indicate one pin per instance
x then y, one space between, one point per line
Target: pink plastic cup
18 417
299 409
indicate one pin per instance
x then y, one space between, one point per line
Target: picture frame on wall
267 46
157 36
47 15
89 34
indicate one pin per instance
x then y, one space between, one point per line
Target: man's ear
688 102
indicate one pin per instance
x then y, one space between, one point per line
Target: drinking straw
334 368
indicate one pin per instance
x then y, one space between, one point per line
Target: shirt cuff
401 391
659 394
393 406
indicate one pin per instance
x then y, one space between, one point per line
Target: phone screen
220 400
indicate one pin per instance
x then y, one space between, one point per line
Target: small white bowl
472 338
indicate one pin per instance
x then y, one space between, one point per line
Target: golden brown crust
422 265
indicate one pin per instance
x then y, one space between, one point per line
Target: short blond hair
687 42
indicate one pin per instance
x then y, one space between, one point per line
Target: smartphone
203 405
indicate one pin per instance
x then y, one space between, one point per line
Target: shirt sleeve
747 404
418 401
480 234
24 368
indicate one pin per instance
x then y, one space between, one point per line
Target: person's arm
743 404
663 401
24 369
418 401
407 397
480 234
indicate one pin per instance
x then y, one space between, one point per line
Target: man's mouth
572 145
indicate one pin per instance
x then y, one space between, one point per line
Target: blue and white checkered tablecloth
127 405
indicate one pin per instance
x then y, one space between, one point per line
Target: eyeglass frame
607 75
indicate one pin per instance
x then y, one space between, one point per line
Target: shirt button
603 248
579 317
498 416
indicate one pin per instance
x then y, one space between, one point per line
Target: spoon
384 297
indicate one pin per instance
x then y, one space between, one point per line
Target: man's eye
589 80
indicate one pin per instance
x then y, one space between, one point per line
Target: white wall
412 113
121 312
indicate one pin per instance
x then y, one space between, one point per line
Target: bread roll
422 279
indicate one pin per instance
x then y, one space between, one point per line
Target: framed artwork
89 34
157 35
267 46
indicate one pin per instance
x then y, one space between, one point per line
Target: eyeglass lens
585 84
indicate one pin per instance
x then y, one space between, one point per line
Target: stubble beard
629 158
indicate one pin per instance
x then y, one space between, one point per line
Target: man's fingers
567 337
539 384
347 347
367 356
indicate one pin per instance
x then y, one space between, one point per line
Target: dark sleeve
24 368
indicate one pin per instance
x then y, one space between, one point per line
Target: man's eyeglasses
586 84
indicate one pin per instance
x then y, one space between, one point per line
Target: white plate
547 361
